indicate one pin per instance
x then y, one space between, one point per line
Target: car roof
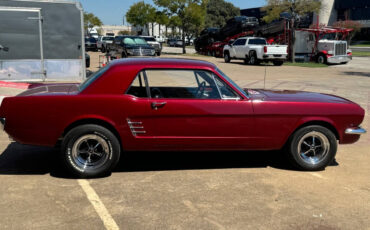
162 62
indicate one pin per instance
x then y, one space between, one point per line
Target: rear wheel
312 148
90 151
253 58
278 63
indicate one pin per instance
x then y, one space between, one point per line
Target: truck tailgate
276 49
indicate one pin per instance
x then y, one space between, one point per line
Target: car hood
294 96
52 89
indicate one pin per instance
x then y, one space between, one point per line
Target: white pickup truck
254 50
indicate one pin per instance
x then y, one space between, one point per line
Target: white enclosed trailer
41 40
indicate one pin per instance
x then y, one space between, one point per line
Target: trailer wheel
227 57
321 59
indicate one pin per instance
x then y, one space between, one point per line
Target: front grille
340 49
142 52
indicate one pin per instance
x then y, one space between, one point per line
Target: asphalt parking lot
200 190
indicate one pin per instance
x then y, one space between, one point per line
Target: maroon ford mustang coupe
176 104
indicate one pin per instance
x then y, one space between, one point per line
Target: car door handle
156 105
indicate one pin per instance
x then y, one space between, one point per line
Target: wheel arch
320 122
91 121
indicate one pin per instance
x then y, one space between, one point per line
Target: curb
16 85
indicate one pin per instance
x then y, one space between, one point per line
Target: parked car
238 25
125 46
207 37
156 45
175 42
146 104
91 44
103 41
254 50
268 29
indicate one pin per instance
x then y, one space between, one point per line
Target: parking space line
94 199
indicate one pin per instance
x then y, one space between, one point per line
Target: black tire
304 156
253 58
321 59
246 60
123 55
158 54
278 63
103 49
227 57
82 142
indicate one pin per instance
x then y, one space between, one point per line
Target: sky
111 12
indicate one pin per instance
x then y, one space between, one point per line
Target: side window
137 87
239 42
186 84
226 91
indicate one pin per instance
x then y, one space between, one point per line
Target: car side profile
152 104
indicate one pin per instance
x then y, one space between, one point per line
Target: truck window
240 42
257 42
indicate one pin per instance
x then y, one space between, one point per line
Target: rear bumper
339 59
355 131
274 57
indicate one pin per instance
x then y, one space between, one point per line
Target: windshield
134 41
108 38
232 82
149 39
92 78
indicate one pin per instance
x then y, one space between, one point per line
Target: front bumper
339 59
355 131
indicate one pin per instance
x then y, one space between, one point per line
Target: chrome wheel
90 152
313 147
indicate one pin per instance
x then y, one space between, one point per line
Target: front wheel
227 57
321 59
312 148
90 151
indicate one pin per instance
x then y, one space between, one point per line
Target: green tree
190 14
296 8
162 19
90 20
141 14
218 12
349 24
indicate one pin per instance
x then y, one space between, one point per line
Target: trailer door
21 36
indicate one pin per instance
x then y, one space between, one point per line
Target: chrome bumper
355 130
339 59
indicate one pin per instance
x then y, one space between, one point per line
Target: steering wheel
156 93
201 88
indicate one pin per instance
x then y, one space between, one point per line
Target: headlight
130 51
153 52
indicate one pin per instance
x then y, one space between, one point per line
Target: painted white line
102 211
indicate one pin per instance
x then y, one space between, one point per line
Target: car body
207 37
254 50
268 29
153 104
153 42
238 25
91 44
103 41
129 46
175 42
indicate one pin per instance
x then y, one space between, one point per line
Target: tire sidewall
298 161
227 57
74 135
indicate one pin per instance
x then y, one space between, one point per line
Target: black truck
126 46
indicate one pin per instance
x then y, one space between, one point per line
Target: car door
196 109
239 46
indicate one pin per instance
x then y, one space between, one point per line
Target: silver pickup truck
254 50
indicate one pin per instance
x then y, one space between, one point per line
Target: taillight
265 49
